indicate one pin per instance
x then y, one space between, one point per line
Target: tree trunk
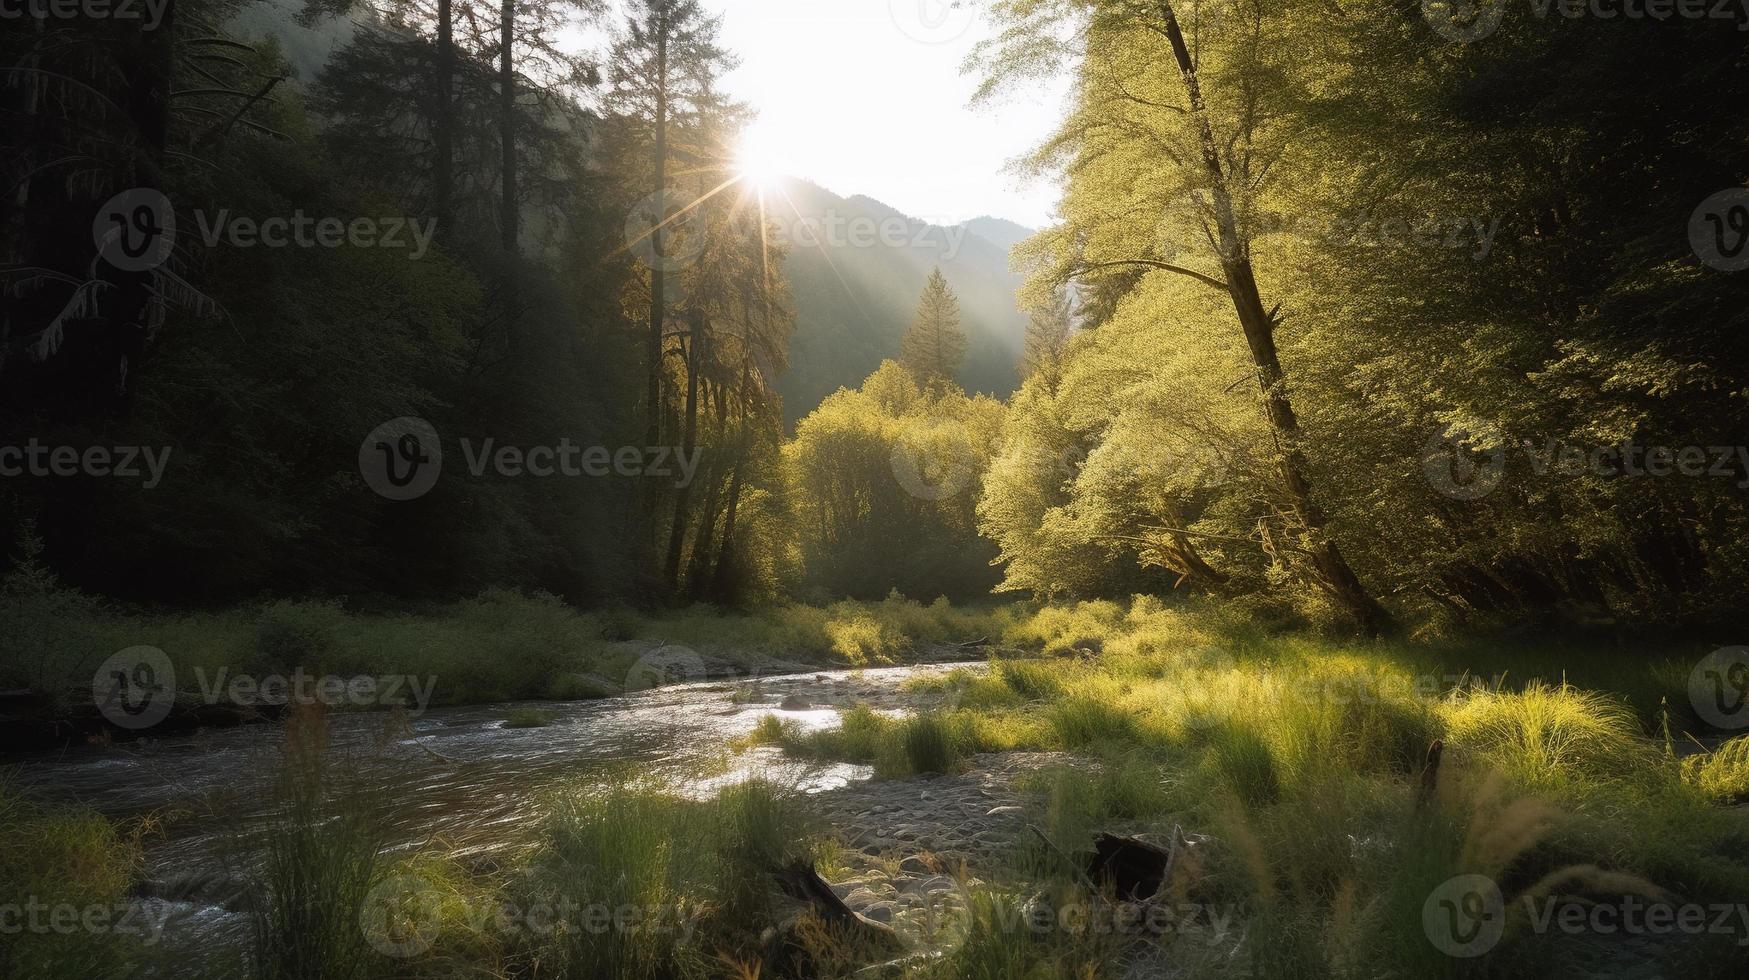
1332 571
677 532
658 281
726 553
443 126
510 214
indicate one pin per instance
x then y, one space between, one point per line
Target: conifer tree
935 346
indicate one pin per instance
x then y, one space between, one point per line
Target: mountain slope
857 267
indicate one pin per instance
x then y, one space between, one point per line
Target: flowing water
453 777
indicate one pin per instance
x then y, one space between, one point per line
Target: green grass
500 646
1721 775
65 857
1300 756
699 874
320 854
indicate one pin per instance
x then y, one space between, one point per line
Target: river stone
914 865
882 912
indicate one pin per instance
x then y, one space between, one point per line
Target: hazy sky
866 97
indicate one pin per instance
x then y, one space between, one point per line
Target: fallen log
828 936
1132 869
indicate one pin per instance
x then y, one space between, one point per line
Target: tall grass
698 874
64 857
319 850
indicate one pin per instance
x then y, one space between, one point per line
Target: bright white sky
866 97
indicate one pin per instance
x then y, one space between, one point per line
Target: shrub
1721 775
928 743
1082 719
1546 735
1031 680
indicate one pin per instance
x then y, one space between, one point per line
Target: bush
1721 775
928 743
70 857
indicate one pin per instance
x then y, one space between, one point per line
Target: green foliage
1721 775
1427 271
320 854
884 482
63 857
934 349
683 865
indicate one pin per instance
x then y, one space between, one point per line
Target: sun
759 158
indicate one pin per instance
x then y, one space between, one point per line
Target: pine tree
935 346
1046 336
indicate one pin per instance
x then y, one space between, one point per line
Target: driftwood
1131 868
829 933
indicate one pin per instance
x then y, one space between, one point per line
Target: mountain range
856 269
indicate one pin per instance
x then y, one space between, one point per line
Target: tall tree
934 347
664 67
1213 158
1047 334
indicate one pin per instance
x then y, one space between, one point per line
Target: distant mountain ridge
856 269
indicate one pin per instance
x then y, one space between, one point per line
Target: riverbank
1289 771
1334 794
243 665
